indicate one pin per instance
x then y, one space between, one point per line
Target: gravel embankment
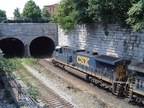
77 91
77 97
93 95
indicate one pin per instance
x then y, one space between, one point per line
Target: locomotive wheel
54 63
118 89
110 88
126 90
138 100
87 78
113 87
62 66
131 98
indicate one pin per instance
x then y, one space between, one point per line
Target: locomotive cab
65 54
114 67
137 80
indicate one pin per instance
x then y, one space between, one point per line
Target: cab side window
60 50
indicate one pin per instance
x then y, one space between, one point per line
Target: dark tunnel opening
12 47
42 47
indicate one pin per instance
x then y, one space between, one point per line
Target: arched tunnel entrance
12 47
42 47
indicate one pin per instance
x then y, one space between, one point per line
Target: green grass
33 63
10 65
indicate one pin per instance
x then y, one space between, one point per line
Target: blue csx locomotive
116 74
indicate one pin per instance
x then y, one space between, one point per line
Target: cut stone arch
42 47
12 47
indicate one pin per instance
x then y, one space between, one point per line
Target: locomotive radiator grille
109 58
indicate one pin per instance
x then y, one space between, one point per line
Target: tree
109 11
17 13
72 12
81 11
2 15
136 16
64 15
45 13
31 10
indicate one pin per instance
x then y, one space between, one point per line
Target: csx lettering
83 60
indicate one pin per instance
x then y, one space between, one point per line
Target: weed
10 65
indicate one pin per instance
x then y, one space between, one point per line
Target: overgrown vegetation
136 16
32 90
15 64
30 61
8 96
65 15
10 65
123 12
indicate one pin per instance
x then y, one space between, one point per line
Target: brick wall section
106 39
52 8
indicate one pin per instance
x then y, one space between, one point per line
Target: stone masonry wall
106 39
26 32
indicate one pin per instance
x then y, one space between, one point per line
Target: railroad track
47 95
53 100
19 95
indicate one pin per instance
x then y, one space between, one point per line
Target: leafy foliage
30 61
72 12
136 16
10 65
17 13
65 15
33 90
81 11
8 96
31 10
45 13
109 11
2 15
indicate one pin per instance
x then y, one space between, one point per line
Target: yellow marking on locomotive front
83 60
120 72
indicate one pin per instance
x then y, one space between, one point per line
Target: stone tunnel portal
12 47
42 47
